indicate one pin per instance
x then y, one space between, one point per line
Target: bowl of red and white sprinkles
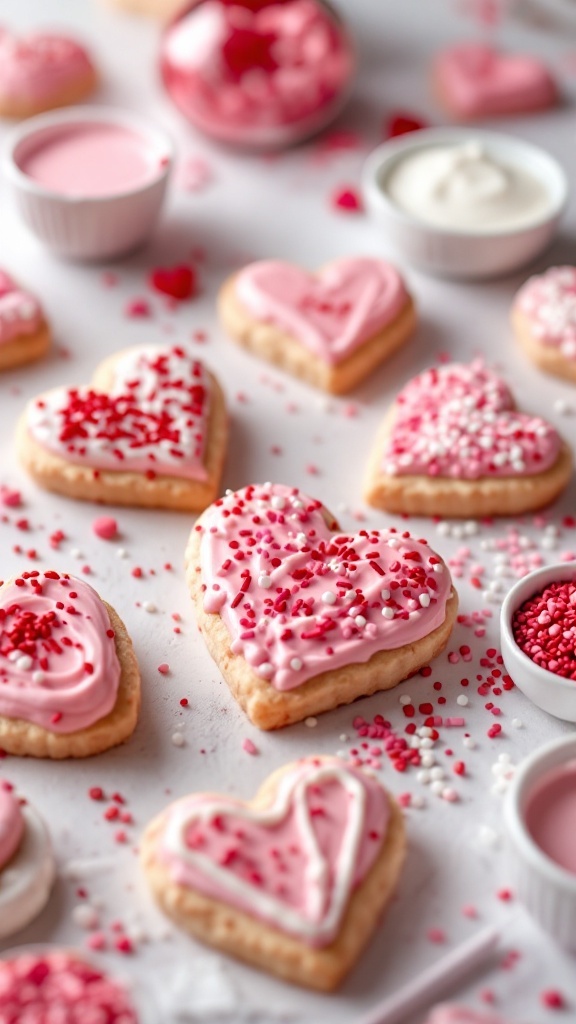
538 638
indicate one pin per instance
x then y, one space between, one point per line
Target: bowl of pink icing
89 181
540 818
538 638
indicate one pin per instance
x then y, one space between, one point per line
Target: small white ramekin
547 890
447 252
550 692
88 228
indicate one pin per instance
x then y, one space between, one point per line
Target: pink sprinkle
164 668
552 999
138 309
347 198
505 895
470 911
96 941
105 527
249 746
10 498
454 721
436 935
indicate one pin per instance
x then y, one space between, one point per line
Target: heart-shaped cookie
151 430
293 882
41 71
69 679
331 328
300 617
475 80
24 333
544 320
454 445
27 866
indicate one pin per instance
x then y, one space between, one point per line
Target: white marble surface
257 207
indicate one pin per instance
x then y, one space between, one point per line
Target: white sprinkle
437 773
423 777
438 567
437 787
121 553
85 916
360 621
405 698
24 663
76 553
427 759
329 597
517 723
149 606
266 670
278 502
469 743
38 678
487 836
178 739
385 595
425 730
449 794
427 743
462 700
388 613
311 722
424 600
343 737
264 581
296 664
418 802
414 742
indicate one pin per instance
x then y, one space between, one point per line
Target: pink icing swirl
20 312
293 865
549 302
40 65
260 77
331 312
458 421
480 80
58 663
152 420
11 823
299 599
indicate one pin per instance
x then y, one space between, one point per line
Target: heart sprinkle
299 599
295 863
58 663
549 302
178 282
152 420
459 421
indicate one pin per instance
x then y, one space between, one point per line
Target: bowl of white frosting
465 203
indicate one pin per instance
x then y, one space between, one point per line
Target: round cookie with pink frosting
301 617
293 882
544 320
41 71
151 430
24 332
69 679
331 328
475 80
26 863
454 444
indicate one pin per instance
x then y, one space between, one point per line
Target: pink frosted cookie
544 320
454 445
60 987
474 80
331 328
453 1014
151 430
301 617
26 865
69 679
41 71
24 332
293 882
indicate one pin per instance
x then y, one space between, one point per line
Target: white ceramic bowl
547 890
550 692
93 227
463 254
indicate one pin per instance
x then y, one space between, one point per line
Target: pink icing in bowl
544 871
258 73
89 181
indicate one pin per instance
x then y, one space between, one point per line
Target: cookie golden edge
25 739
19 109
287 353
111 487
245 937
268 708
25 348
162 9
546 357
420 495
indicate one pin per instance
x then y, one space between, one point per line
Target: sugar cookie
24 332
293 882
27 866
41 71
474 80
544 320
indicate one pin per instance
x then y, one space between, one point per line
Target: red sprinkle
105 527
347 198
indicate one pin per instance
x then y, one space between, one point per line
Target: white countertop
257 207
